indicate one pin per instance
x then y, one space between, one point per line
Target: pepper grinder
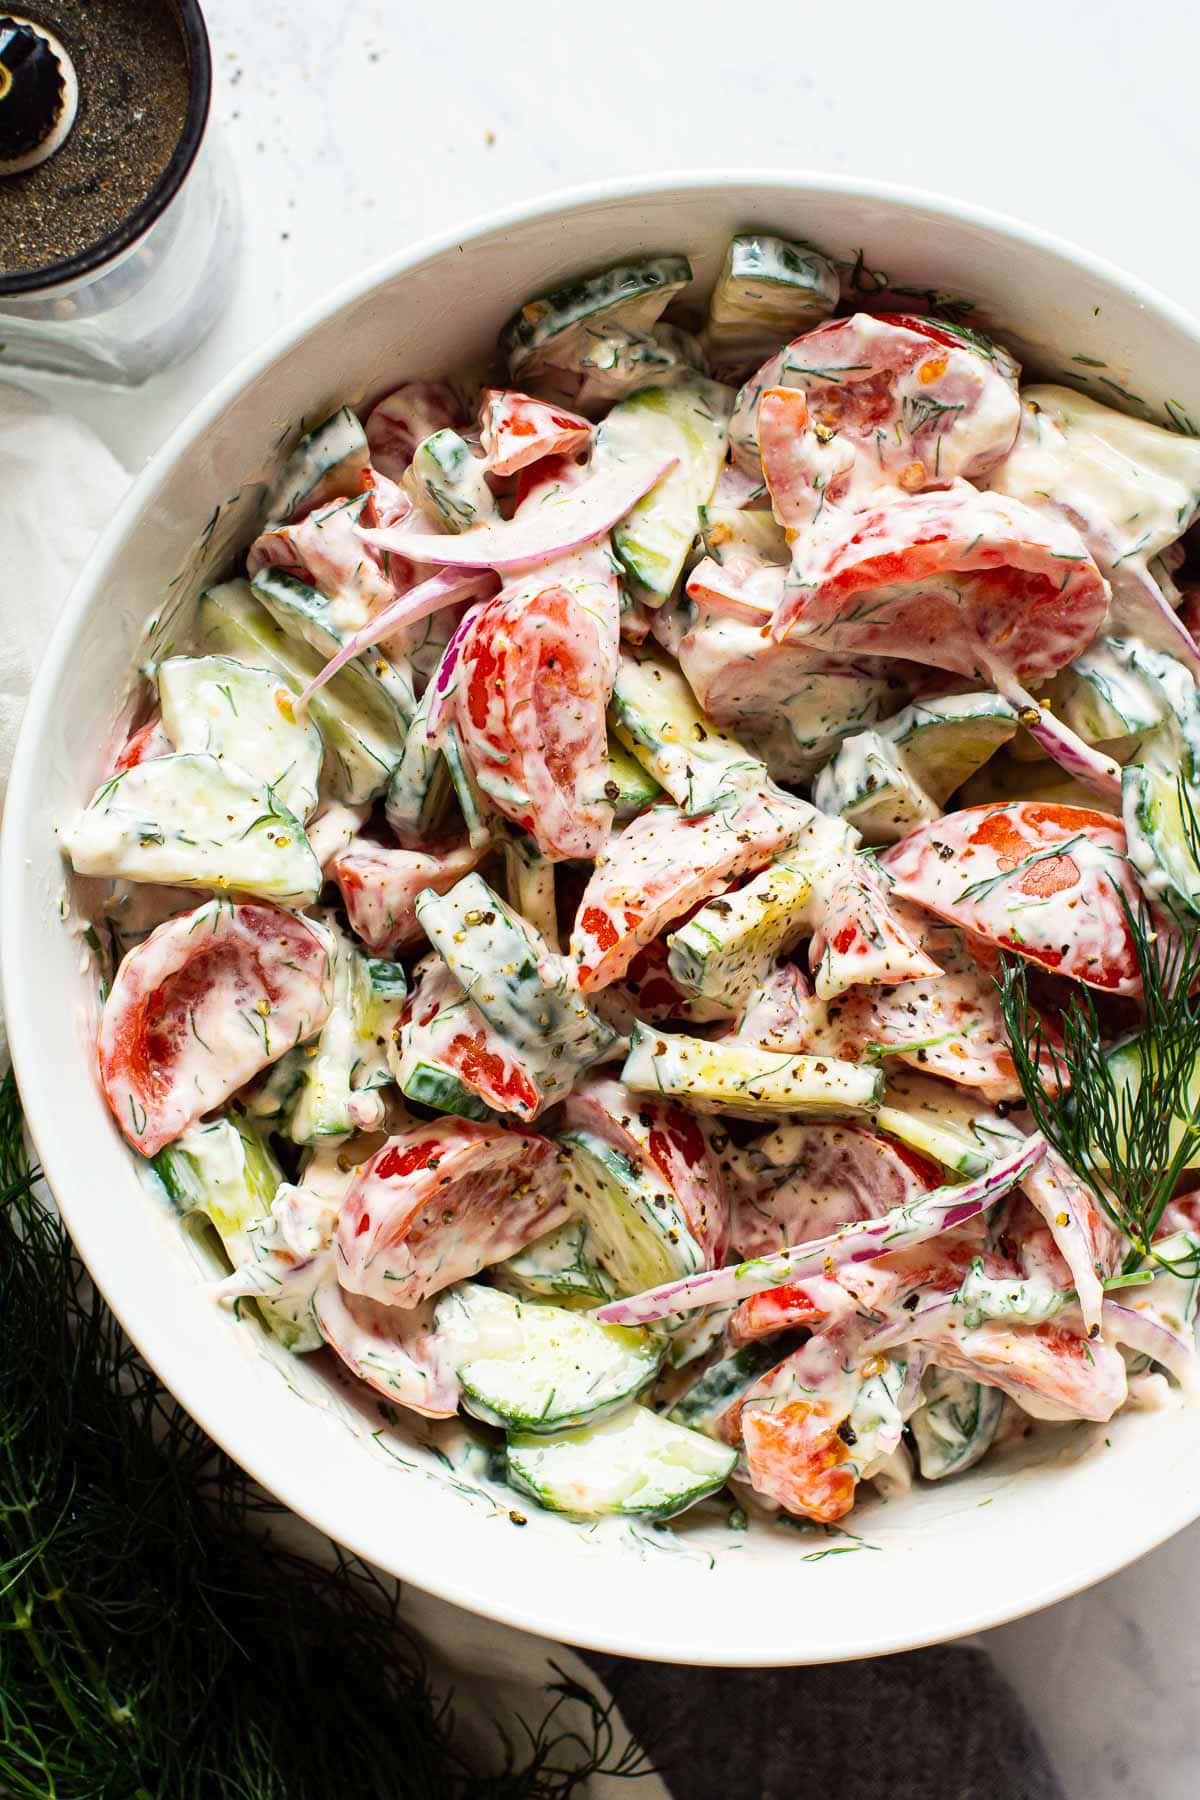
118 214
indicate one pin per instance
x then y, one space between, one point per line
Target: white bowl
974 1552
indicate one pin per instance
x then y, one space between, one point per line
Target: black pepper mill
117 213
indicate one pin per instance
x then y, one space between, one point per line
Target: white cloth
496 1674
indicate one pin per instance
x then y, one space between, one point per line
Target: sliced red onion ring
1087 764
442 589
538 533
1149 1337
898 1229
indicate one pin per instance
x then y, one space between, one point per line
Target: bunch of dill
154 1642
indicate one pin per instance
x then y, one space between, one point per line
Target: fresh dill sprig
155 1642
1127 1125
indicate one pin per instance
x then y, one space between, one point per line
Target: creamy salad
656 910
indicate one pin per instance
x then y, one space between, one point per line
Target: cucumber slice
518 985
955 1424
768 291
691 423
722 1075
740 531
637 1228
245 718
223 1170
272 1094
476 814
1161 842
449 477
348 1061
182 821
361 728
943 742
946 1124
531 890
655 715
1128 1063
563 1266
303 612
635 1463
725 950
869 785
723 1383
420 789
529 1367
609 368
630 787
1102 695
552 327
329 463
441 1089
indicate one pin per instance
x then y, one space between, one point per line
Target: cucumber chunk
635 1463
516 983
1103 696
1128 1064
955 1424
869 785
223 1170
348 1062
691 423
725 950
563 1266
637 1228
943 742
529 877
768 291
722 1075
362 730
328 463
656 716
630 787
529 1367
442 1090
723 1382
305 613
244 717
449 477
182 821
420 788
552 327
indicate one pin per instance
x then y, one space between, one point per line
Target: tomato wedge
441 1201
815 1178
394 1349
971 582
325 550
1045 882
861 940
200 1006
398 422
1049 1370
894 404
143 745
380 882
443 1027
789 1424
533 680
683 1149
517 430
665 863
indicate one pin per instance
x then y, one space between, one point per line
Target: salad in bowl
655 911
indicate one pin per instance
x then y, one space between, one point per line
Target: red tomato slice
790 1433
894 405
683 1149
806 1304
1042 881
971 582
517 430
738 587
662 865
145 744
398 422
816 1178
861 940
200 1006
533 680
443 1027
441 1201
394 1349
797 489
380 882
1050 1371
325 551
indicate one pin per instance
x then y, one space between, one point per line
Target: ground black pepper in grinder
117 215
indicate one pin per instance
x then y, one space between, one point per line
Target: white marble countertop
358 125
